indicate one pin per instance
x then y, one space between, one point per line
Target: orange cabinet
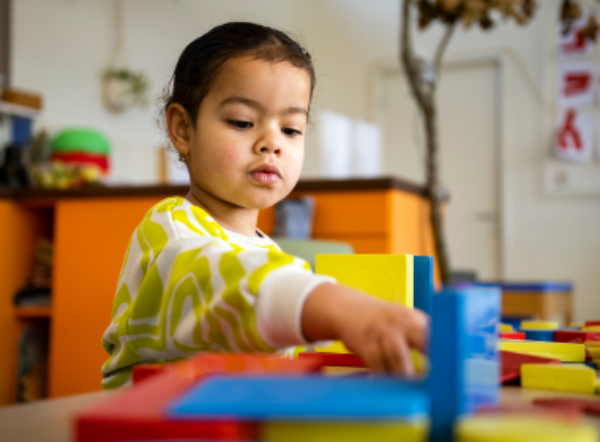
91 229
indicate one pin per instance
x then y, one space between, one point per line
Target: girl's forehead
256 77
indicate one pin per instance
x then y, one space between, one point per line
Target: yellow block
556 350
405 431
597 386
512 428
573 378
505 328
539 325
594 352
592 344
388 277
591 328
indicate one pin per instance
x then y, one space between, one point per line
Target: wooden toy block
302 398
587 406
566 414
592 328
539 335
464 357
552 350
570 336
511 364
409 431
423 282
573 378
389 277
511 428
513 335
594 352
539 325
334 359
578 325
591 323
505 328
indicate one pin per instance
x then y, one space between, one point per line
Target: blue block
464 356
21 130
315 398
539 335
423 282
514 321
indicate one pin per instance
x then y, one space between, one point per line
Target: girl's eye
240 124
291 132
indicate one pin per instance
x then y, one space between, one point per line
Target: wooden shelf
33 312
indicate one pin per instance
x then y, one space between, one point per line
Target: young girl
198 275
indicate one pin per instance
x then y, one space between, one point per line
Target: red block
590 323
512 335
588 406
572 335
334 359
138 413
511 364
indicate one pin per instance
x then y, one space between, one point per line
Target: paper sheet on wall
575 135
576 83
573 43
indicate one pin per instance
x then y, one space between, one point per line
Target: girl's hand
380 332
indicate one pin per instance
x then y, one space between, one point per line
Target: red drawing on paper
567 130
577 45
577 83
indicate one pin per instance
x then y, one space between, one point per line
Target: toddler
198 275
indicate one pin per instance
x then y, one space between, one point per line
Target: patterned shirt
188 286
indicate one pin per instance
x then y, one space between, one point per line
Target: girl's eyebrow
259 107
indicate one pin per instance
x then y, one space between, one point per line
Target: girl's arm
381 332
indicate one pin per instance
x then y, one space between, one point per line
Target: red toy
571 336
136 414
512 335
511 364
591 323
583 405
334 359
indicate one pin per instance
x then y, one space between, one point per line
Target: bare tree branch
410 63
442 47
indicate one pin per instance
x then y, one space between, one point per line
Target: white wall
60 48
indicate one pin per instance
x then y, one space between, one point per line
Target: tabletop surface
52 420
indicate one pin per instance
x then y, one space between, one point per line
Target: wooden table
52 420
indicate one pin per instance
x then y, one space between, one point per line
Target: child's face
247 146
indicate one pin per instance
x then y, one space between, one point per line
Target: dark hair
201 60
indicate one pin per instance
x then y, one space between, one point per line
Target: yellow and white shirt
188 286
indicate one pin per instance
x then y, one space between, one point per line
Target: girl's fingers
417 331
373 356
397 353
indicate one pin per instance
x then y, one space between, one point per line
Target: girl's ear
179 126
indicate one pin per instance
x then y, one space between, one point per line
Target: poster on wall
577 83
574 42
575 135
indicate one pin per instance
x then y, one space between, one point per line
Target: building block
511 364
423 282
594 352
335 359
575 378
513 335
590 364
303 398
571 335
587 406
505 328
511 428
539 325
569 415
410 431
591 328
389 277
553 350
464 359
591 323
138 413
539 335
578 325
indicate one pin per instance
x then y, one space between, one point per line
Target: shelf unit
32 312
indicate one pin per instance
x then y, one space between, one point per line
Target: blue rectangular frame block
464 356
303 398
539 335
423 282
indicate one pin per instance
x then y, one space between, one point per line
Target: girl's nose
269 144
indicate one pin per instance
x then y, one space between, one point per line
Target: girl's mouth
264 177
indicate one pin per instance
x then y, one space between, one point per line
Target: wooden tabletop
52 420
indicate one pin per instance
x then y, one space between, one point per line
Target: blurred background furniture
309 249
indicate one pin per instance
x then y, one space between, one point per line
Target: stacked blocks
576 378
